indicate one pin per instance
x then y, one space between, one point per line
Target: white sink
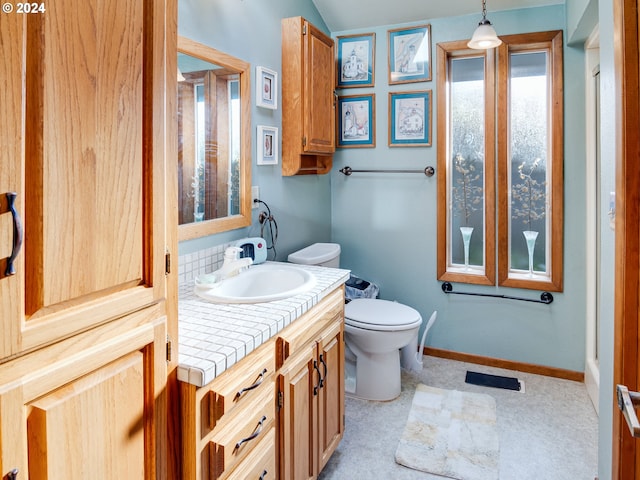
260 283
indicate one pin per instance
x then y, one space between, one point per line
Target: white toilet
375 331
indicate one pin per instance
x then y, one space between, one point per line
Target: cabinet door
63 426
88 407
331 395
81 129
297 422
319 96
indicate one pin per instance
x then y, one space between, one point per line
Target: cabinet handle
17 234
254 434
263 476
317 387
324 364
13 474
251 387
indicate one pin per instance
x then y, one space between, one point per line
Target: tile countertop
212 337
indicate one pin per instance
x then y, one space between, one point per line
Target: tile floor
549 432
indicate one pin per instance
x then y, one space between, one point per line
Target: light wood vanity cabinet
82 312
308 98
223 421
278 411
311 391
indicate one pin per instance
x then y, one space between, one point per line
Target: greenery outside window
522 81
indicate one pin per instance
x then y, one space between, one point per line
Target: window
519 223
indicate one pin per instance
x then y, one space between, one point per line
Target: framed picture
266 88
356 121
356 55
409 54
267 145
410 119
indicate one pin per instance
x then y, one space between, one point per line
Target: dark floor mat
496 381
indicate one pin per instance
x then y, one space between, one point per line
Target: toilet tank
322 254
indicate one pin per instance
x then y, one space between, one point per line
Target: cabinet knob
13 474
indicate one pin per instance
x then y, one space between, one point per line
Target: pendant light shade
485 36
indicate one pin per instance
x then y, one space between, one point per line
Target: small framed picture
267 145
409 54
266 88
357 121
410 119
356 55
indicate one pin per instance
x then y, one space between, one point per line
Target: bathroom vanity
262 385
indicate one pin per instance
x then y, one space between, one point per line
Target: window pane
528 166
234 142
466 167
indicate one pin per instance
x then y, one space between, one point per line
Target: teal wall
386 224
582 16
250 30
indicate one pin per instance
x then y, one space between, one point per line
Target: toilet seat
380 315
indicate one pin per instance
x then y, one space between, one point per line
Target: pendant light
485 36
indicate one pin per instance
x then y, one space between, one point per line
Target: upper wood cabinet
82 129
308 98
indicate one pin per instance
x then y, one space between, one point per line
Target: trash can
356 287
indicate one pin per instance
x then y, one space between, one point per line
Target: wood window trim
551 42
496 100
445 52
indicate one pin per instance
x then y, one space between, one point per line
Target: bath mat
496 381
452 434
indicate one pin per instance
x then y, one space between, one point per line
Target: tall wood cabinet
82 311
308 98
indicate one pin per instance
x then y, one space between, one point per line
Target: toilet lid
380 314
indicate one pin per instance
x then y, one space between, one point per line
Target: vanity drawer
234 440
260 464
237 386
309 326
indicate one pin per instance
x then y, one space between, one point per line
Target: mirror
214 141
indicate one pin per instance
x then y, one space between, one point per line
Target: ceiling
344 15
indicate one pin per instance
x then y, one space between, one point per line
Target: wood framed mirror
214 141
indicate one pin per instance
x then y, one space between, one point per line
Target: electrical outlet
255 195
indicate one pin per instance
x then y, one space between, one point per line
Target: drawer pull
254 434
255 385
263 476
